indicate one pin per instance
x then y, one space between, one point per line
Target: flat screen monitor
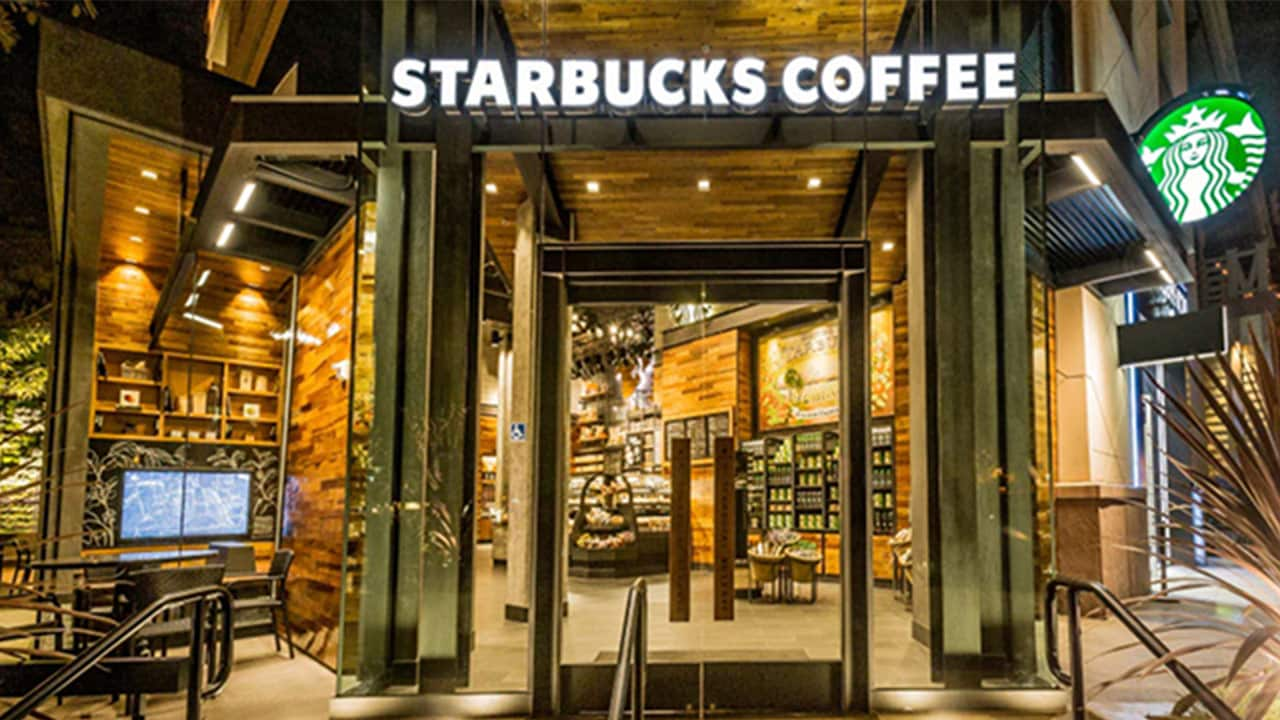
183 504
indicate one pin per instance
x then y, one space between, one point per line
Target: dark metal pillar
855 494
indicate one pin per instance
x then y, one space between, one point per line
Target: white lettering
658 89
704 83
633 95
841 95
579 89
749 89
533 84
999 76
922 76
410 87
886 74
449 70
962 78
798 95
488 83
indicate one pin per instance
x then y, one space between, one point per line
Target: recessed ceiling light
150 175
204 278
264 268
225 235
192 299
135 238
593 186
887 245
1086 170
815 183
491 188
141 210
1152 258
1166 277
704 185
246 192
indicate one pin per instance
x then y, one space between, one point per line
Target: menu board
673 429
882 361
799 377
696 428
701 431
718 426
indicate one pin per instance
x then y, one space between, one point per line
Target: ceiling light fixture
1086 170
141 210
491 188
593 186
225 235
202 320
887 245
204 278
1152 258
246 193
815 183
135 238
704 185
1166 277
150 175
192 299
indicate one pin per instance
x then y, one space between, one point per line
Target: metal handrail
632 655
1075 587
127 630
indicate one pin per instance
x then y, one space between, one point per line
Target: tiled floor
264 684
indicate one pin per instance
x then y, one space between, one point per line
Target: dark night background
324 37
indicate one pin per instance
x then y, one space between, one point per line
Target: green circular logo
1203 152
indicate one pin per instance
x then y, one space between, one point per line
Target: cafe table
137 559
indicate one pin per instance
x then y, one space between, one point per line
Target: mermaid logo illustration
1204 155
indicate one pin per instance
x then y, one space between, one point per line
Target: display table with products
612 535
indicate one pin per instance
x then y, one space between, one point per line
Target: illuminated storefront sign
584 86
1203 151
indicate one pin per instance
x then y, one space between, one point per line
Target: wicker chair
764 570
804 570
268 592
143 587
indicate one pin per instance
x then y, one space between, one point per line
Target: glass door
697 437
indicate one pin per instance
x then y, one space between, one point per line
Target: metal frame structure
791 271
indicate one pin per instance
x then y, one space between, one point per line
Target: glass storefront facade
939 221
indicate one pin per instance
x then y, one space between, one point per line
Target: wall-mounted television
181 504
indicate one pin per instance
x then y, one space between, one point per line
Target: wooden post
725 528
680 547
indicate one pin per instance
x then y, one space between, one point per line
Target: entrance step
407 706
1128 710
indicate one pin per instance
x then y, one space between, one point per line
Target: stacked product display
884 516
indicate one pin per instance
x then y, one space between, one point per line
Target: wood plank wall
901 418
317 462
705 376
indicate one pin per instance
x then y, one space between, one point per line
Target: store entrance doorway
576 277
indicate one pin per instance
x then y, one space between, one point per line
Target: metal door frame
732 271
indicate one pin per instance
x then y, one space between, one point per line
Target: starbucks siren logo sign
1203 152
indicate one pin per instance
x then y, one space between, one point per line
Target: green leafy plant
1234 478
16 13
24 350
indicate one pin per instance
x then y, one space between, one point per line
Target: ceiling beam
867 175
540 184
179 280
1133 264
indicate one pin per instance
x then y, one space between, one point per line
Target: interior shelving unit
168 396
884 514
779 483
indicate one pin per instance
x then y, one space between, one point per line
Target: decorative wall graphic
1203 151
799 376
882 361
107 460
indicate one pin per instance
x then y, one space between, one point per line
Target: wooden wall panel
700 378
767 29
251 301
317 462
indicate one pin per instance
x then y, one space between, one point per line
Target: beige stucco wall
1092 422
1128 73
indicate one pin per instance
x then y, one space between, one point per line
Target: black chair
270 592
18 585
140 588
